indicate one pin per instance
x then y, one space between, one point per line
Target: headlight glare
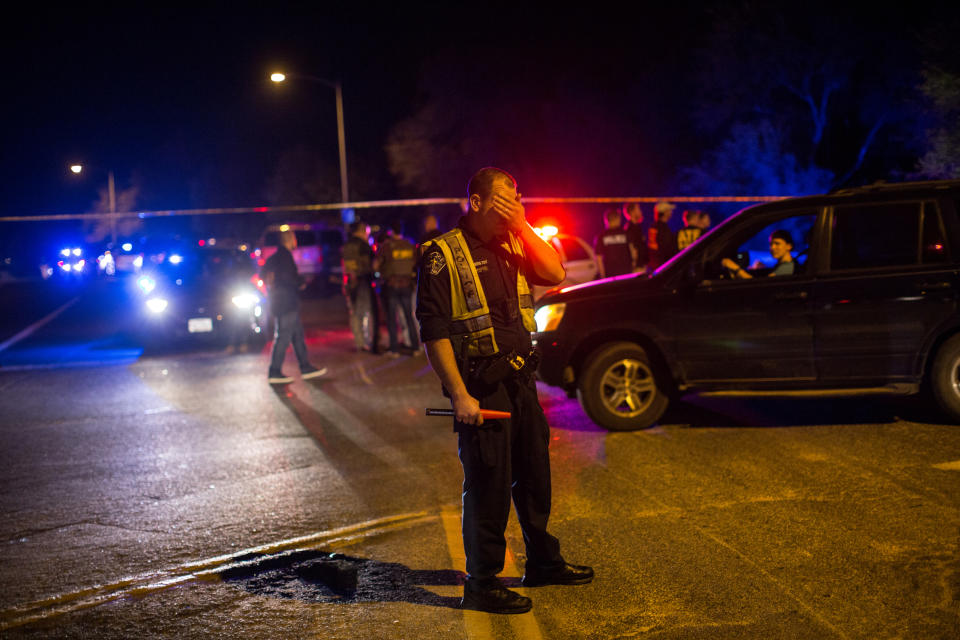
245 300
157 305
146 284
548 317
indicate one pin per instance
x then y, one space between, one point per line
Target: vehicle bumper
553 360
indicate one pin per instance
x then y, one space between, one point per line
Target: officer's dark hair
612 215
355 226
397 227
482 181
782 234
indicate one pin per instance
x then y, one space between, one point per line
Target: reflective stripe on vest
472 327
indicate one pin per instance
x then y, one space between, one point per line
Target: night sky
178 101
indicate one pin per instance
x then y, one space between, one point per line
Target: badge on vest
436 263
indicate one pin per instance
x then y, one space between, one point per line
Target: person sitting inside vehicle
781 246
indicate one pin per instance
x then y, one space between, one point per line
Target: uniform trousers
504 459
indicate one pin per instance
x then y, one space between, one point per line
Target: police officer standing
357 261
476 316
612 247
397 263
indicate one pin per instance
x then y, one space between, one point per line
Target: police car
576 255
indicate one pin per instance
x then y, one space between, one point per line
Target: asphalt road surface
177 495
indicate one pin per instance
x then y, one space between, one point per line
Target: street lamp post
111 196
341 138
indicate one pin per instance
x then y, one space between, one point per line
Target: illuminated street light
279 77
76 168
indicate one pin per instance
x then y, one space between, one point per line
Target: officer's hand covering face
506 210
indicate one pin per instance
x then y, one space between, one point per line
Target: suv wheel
618 389
945 377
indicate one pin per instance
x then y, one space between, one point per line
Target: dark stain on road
322 576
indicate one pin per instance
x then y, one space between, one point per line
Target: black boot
489 594
564 574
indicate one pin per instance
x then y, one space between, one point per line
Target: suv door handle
787 295
933 285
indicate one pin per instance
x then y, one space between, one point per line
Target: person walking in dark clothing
476 316
282 280
397 264
612 247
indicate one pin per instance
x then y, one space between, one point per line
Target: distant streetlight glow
279 77
76 168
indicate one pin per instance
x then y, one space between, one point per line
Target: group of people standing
389 266
631 248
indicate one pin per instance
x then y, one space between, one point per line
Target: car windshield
207 264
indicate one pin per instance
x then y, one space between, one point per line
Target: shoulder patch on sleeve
435 262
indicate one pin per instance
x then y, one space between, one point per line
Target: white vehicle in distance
576 255
317 255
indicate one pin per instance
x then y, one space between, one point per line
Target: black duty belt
496 368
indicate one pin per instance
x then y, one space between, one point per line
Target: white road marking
206 569
9 342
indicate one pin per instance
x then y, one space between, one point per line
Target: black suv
868 306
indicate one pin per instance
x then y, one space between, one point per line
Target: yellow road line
524 625
205 569
478 624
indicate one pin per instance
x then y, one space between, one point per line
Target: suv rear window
305 238
884 235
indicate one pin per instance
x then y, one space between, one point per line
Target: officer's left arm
543 262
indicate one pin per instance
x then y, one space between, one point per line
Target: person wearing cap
781 248
661 240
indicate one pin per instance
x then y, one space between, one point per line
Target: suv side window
881 235
305 238
751 249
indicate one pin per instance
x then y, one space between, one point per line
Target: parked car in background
576 255
68 261
870 306
200 293
317 254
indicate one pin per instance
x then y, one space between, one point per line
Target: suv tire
945 377
618 388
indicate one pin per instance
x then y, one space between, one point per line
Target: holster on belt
509 365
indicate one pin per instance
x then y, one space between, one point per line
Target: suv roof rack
882 185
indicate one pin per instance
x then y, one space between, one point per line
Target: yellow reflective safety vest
472 329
